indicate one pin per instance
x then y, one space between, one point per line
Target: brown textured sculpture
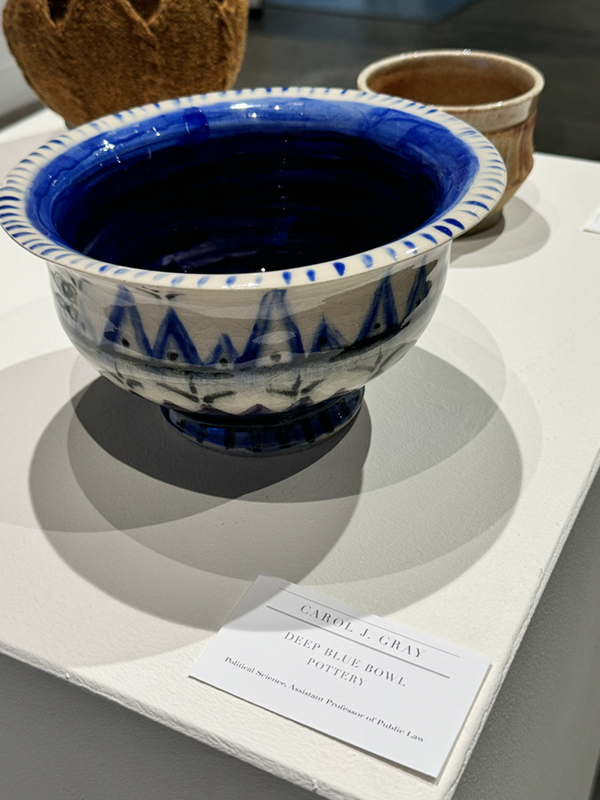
87 58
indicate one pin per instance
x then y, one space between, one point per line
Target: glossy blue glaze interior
241 187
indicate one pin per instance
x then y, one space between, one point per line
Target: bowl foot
268 434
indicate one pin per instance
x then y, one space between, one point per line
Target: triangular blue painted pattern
419 291
172 337
382 313
123 309
273 315
173 340
327 337
224 352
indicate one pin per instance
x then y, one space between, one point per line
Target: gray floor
560 37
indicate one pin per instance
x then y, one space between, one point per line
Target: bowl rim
387 65
482 195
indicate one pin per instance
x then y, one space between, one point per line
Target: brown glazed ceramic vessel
494 93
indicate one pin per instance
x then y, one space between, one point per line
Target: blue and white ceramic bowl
250 259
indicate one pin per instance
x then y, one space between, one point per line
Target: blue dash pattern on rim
32 211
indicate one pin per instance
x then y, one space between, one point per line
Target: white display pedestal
124 546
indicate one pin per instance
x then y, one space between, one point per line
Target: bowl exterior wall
514 142
239 352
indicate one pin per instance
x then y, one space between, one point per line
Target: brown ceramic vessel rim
378 67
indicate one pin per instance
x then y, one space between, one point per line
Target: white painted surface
540 742
444 508
542 738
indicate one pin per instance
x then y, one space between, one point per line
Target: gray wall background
15 94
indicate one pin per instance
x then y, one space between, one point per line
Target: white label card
389 690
